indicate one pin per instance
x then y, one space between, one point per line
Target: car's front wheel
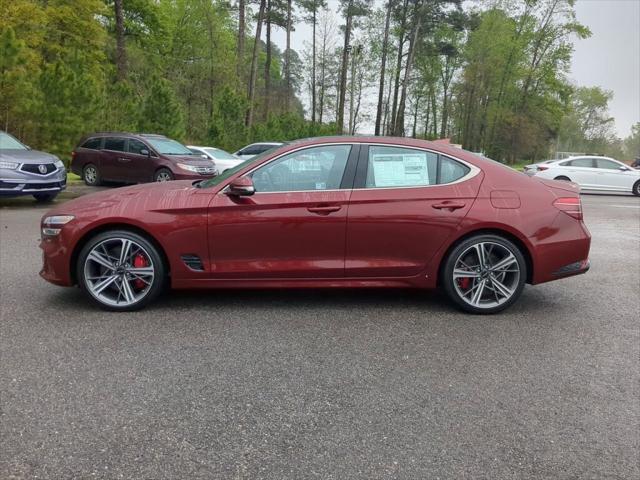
120 270
484 274
636 188
45 197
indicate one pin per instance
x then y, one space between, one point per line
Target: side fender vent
193 262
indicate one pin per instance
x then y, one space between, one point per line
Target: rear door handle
325 210
448 205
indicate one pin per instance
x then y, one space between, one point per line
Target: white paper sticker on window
396 170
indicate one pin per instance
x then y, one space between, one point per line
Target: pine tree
161 111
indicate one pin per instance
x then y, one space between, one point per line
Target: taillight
541 168
73 154
570 205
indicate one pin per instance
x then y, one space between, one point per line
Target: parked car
254 149
222 160
534 168
325 212
598 174
136 158
636 163
29 172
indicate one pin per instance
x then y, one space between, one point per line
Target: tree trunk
251 93
267 63
240 49
313 69
396 87
287 59
385 43
343 71
399 123
121 49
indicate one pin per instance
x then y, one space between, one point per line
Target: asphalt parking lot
324 384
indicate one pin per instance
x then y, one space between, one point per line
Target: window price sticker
393 170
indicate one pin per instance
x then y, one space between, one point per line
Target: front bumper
17 182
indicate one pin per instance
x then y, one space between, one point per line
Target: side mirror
623 169
241 187
144 151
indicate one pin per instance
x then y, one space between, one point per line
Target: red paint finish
347 237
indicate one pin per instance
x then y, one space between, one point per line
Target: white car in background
223 160
254 149
598 174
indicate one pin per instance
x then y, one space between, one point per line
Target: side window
582 162
450 170
113 143
92 143
136 146
400 167
606 164
316 168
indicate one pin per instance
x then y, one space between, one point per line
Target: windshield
7 142
220 154
166 146
212 182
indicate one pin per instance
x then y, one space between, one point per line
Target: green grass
73 178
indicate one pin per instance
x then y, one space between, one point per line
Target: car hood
196 160
127 201
27 156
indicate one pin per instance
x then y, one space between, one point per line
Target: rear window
92 144
450 170
113 143
580 162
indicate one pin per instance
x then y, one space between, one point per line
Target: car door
140 164
609 176
580 171
294 225
406 202
112 166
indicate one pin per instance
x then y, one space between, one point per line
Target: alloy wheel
119 272
163 177
90 175
486 275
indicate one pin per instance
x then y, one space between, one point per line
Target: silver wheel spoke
129 296
481 254
143 271
459 273
477 296
501 288
124 251
504 263
100 286
100 259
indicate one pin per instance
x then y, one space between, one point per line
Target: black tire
157 284
447 278
163 175
636 188
45 197
562 178
91 175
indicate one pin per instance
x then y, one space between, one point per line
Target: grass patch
73 178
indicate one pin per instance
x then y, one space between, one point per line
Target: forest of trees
491 75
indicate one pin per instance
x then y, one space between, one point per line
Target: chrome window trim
473 170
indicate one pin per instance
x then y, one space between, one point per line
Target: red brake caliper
464 282
139 261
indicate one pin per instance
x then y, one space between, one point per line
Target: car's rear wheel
120 270
163 175
562 178
484 274
91 175
636 188
45 197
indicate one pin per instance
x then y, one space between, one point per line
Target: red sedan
329 212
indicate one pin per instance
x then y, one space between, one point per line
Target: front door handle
123 159
325 210
449 205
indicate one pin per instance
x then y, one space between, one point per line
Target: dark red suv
137 158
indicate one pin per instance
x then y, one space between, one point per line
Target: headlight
59 164
191 168
51 226
9 165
